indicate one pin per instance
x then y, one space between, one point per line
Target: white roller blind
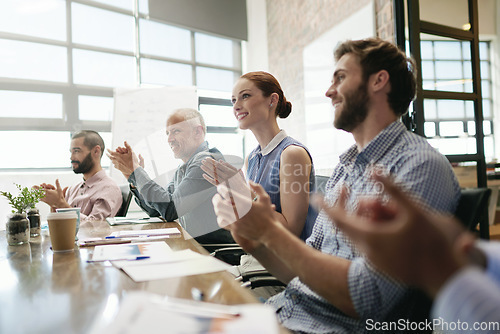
222 17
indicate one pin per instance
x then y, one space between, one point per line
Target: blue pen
131 236
121 237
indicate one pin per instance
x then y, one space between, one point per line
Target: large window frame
469 32
70 91
435 124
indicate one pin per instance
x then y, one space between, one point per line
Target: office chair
472 209
260 278
126 199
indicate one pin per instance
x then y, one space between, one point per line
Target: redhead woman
281 164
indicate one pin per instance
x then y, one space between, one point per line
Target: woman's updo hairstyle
268 84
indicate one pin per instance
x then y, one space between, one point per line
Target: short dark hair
91 139
375 54
268 84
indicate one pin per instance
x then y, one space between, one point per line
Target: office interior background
60 61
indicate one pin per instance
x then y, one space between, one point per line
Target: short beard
354 109
85 166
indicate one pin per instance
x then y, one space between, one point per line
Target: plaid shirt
417 167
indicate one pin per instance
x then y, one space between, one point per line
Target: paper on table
154 250
187 263
183 255
125 221
90 242
152 232
142 312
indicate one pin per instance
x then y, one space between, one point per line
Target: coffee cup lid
62 215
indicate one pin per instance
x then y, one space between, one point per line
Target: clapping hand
247 214
125 160
54 195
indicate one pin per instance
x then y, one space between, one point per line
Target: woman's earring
271 105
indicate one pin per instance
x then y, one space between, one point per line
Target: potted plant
18 226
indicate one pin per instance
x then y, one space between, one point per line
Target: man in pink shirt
97 195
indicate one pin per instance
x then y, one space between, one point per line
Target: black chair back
321 181
127 198
472 208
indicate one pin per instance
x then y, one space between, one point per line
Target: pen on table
124 259
137 236
91 243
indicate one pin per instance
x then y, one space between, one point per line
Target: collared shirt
188 196
264 166
273 143
98 197
418 168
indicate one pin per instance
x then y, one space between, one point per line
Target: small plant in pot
18 226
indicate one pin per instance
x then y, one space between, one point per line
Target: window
61 60
449 124
33 61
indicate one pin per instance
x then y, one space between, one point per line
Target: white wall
255 54
324 141
255 51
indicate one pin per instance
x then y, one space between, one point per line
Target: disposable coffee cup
77 210
62 228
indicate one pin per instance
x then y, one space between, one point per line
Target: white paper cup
62 227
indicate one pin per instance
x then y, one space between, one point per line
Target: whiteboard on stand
140 117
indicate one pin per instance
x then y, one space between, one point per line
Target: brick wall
293 24
385 19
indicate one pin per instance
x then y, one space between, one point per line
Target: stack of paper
155 260
175 264
123 237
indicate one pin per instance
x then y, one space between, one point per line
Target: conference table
46 292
